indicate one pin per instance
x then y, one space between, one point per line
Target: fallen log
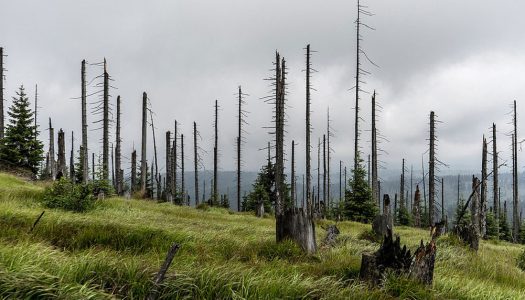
162 272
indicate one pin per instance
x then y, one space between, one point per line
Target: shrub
67 195
521 261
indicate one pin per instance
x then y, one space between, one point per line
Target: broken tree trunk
61 159
162 271
422 267
382 223
416 208
295 224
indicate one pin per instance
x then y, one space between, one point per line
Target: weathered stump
260 210
298 226
390 256
331 235
437 229
381 225
422 268
468 234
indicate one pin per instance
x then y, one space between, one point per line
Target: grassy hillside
115 250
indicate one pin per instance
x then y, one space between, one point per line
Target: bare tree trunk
515 198
36 110
402 185
328 182
308 131
483 204
52 162
318 175
105 126
431 176
113 179
85 156
474 208
357 89
182 188
168 179
443 199
292 179
61 155
72 159
196 163
416 208
239 143
93 166
2 123
324 173
495 178
118 153
133 171
215 158
157 178
143 161
175 162
340 183
375 192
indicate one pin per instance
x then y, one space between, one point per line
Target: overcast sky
463 59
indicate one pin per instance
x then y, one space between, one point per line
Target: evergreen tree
262 190
404 217
79 167
359 205
492 226
465 220
504 232
20 146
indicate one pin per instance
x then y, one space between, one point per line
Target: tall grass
115 250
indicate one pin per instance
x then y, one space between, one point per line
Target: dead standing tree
431 170
308 130
143 161
215 156
118 154
196 161
515 195
291 223
61 159
52 163
2 123
133 187
105 125
84 155
157 175
169 196
241 115
72 159
495 178
483 203
375 189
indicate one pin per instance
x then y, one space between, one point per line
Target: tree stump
390 256
381 225
260 210
468 234
422 268
331 235
298 226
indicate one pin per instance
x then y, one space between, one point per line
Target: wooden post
143 161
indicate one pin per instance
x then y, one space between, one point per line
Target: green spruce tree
20 146
359 205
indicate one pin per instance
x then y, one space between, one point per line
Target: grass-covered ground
115 250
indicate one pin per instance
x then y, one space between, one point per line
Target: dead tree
215 155
515 195
308 132
36 112
402 186
2 123
416 208
495 177
118 154
133 171
174 162
143 161
475 207
328 150
324 175
113 179
168 168
72 159
291 222
61 158
240 119
318 205
105 126
340 183
483 203
292 176
157 175
196 163
375 192
52 162
182 188
84 154
383 222
431 170
443 215
93 166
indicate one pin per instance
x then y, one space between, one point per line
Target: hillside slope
115 250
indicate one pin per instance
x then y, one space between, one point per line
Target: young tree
20 146
359 205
